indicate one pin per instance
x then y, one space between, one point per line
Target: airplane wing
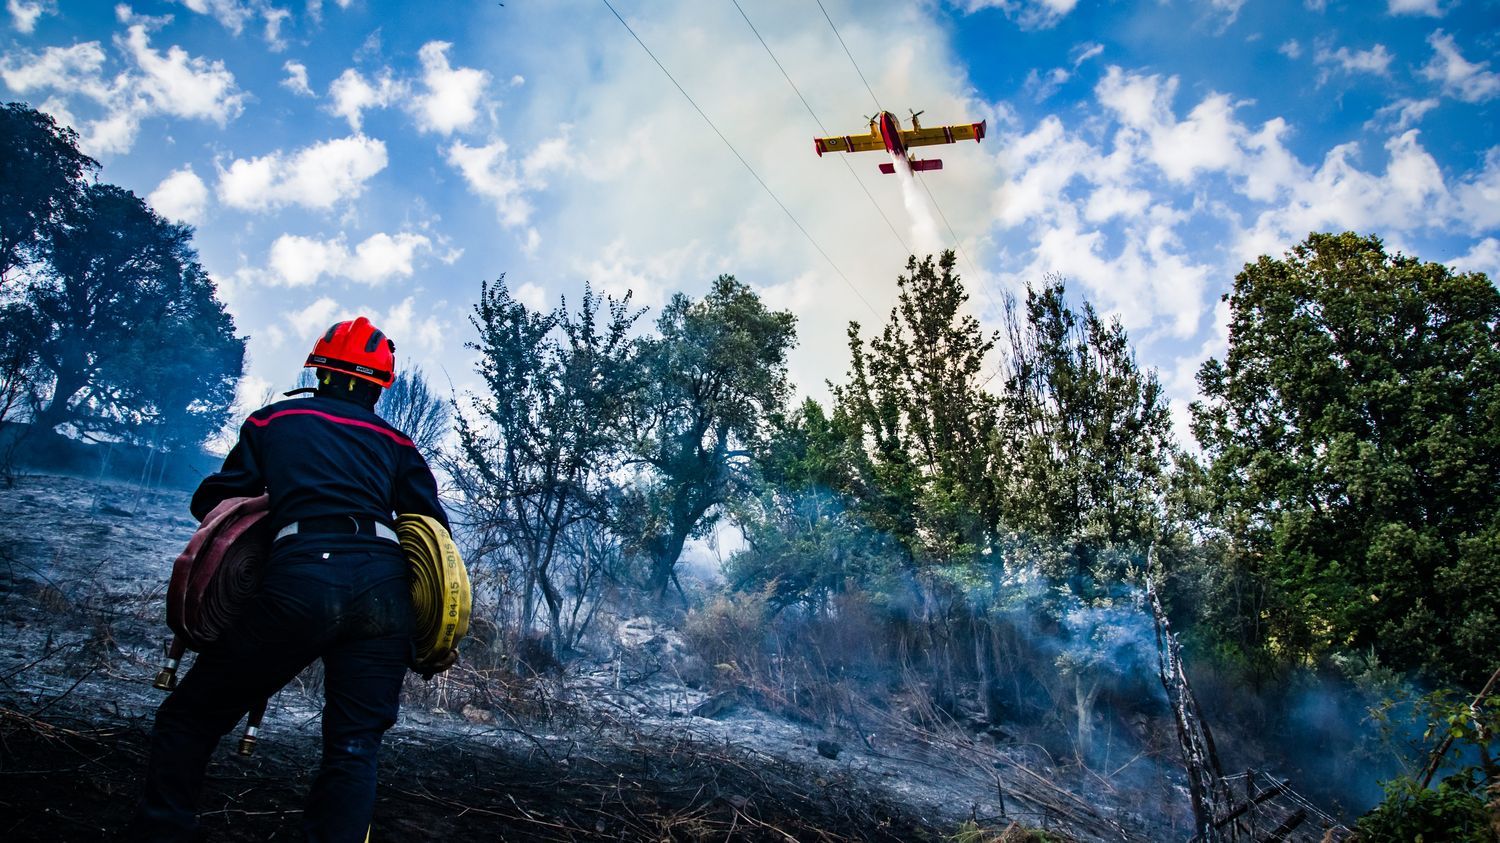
933 135
849 143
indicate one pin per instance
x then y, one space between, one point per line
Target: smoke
924 229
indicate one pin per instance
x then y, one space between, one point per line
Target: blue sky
354 156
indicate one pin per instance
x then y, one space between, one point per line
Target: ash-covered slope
614 747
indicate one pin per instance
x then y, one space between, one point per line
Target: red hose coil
219 571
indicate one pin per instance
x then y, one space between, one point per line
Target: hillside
613 748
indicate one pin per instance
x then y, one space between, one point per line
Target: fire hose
440 590
220 570
212 581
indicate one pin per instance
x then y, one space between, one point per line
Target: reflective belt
381 531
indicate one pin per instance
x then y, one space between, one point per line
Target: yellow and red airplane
886 133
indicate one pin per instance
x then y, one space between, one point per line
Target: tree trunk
664 558
984 665
56 412
1084 694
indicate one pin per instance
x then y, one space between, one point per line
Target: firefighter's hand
439 664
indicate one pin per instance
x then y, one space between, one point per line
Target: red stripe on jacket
336 420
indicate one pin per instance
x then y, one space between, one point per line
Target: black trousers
351 608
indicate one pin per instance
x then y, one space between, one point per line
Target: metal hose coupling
166 680
252 729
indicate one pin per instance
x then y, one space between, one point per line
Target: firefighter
336 588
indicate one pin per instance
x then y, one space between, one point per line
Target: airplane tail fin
916 164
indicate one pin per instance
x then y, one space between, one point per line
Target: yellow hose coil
439 587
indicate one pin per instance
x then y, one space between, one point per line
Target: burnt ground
69 780
605 752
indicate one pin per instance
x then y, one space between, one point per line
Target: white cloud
1043 86
1484 257
181 196
618 271
402 324
1209 140
250 394
24 13
352 94
296 79
1430 8
1292 49
174 84
1029 14
231 14
1084 52
1401 114
1149 278
533 296
1478 197
318 176
451 101
1339 196
491 173
1113 200
274 19
1106 206
1460 78
1230 9
67 69
315 318
551 155
182 85
381 257
297 261
1376 60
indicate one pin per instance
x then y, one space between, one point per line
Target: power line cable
956 241
741 158
851 56
824 129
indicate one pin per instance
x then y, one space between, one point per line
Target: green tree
928 473
716 372
188 362
131 331
19 338
1353 431
41 175
801 532
1086 437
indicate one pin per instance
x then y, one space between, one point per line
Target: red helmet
356 348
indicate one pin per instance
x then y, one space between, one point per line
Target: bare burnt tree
411 405
539 449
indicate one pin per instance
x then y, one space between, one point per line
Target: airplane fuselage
890 132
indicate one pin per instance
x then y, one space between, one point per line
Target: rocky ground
605 751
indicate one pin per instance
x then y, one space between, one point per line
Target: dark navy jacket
321 456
